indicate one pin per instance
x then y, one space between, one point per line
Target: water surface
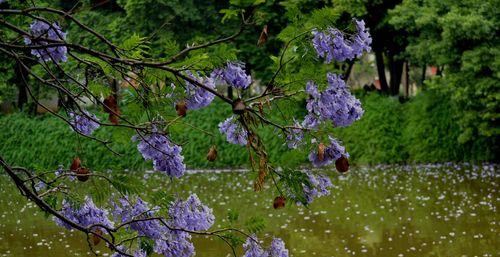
384 211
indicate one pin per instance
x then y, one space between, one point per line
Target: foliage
460 37
422 130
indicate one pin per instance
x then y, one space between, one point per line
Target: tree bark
379 58
230 92
22 96
406 80
422 78
396 72
347 72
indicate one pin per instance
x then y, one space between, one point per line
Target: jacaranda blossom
294 136
88 214
235 133
137 253
332 152
166 156
84 123
318 186
277 248
124 211
335 103
198 97
232 75
40 31
332 44
252 248
175 245
191 214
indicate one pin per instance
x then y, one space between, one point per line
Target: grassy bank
420 130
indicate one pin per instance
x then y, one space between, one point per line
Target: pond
422 210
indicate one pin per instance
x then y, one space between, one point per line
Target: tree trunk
22 96
379 58
230 92
422 77
347 72
396 72
406 80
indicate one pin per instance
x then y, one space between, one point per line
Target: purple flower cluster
235 133
137 253
166 156
198 97
84 123
232 75
318 187
336 103
126 212
41 31
253 249
88 214
175 245
191 214
332 152
170 243
294 136
332 44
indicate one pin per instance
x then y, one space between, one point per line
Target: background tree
460 37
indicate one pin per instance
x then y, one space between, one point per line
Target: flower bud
342 164
212 154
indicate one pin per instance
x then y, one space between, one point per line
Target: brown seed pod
111 107
76 164
238 106
321 152
212 154
279 202
263 36
82 174
110 104
96 239
181 108
342 164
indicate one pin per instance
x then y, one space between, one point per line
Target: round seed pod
279 202
238 106
212 154
82 174
181 108
342 164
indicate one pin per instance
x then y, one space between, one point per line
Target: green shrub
431 133
423 129
376 137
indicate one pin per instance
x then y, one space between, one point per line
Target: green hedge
420 130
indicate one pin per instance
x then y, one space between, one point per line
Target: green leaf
232 216
229 14
255 224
